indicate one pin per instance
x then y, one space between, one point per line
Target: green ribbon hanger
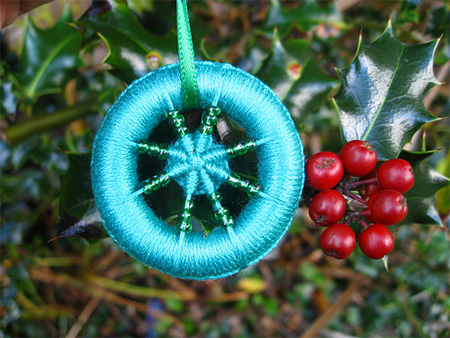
188 74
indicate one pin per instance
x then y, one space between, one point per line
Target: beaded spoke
154 150
176 120
221 214
241 148
185 218
251 188
157 181
209 120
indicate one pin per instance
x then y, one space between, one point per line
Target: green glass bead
163 153
206 130
186 215
215 197
164 179
239 149
148 189
228 222
157 182
230 152
244 184
234 180
152 186
225 221
185 225
213 111
142 148
188 204
250 145
209 120
221 212
177 122
171 114
253 190
181 131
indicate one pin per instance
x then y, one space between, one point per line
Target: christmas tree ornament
199 164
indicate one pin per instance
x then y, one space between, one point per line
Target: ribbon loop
188 73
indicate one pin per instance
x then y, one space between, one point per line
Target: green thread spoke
251 188
154 150
209 120
176 120
221 214
157 182
185 218
241 148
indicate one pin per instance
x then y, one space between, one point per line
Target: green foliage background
61 70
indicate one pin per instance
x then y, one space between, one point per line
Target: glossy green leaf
443 195
381 93
422 211
309 14
427 181
293 74
422 196
49 57
133 51
78 215
309 92
284 64
414 157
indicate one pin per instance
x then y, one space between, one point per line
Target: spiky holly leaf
381 93
293 74
133 51
421 198
78 215
49 57
309 14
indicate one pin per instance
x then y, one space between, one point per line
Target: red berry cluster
346 188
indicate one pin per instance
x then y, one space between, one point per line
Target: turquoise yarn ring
200 166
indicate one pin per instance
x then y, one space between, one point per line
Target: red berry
369 189
396 174
376 241
324 170
327 207
338 241
358 157
387 207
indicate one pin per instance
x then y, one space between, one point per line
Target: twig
37 124
333 310
84 316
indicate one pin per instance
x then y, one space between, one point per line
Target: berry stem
364 213
352 185
355 197
363 223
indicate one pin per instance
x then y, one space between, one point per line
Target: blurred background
61 68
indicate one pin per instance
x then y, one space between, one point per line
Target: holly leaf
427 181
133 51
422 211
414 157
49 57
78 215
421 198
309 92
293 74
284 64
381 93
309 14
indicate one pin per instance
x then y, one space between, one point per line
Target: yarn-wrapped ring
262 222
